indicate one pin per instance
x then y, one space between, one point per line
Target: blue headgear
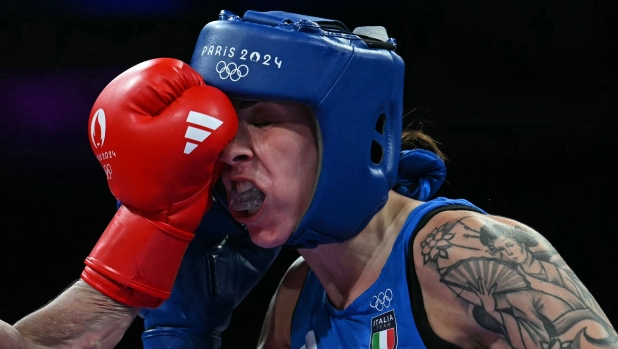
352 82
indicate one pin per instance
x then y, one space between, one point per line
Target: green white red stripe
383 339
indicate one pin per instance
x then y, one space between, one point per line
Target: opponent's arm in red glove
157 130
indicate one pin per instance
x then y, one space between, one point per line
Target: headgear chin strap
353 82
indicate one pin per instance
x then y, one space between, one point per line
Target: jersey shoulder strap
429 337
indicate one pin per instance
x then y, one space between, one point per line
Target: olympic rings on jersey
382 300
231 70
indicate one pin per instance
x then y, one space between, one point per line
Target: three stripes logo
197 134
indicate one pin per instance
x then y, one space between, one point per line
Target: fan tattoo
516 285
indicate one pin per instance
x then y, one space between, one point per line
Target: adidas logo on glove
196 134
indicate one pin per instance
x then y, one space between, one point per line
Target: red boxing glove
157 130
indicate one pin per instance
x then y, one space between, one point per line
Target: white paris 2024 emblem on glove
98 120
196 134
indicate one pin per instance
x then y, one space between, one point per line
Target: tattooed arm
489 281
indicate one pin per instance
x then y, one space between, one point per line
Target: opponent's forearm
80 317
10 338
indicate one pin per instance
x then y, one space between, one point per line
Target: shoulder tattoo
516 285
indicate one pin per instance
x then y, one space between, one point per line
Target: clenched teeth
243 186
246 197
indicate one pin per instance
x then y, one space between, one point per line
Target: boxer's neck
347 269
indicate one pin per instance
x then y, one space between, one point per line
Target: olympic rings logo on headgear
382 300
231 70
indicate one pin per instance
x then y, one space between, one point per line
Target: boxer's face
271 169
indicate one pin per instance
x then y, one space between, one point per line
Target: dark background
520 93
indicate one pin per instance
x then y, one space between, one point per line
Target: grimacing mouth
246 198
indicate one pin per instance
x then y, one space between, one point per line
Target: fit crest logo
384 331
98 124
231 70
382 300
197 134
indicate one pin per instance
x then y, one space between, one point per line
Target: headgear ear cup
357 101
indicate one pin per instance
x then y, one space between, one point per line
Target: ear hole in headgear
376 152
380 123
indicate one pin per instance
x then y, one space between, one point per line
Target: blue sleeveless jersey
380 318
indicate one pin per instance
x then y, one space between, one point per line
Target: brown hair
413 136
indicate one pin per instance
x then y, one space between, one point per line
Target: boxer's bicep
276 330
494 282
80 317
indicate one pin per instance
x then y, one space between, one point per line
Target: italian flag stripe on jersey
383 339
